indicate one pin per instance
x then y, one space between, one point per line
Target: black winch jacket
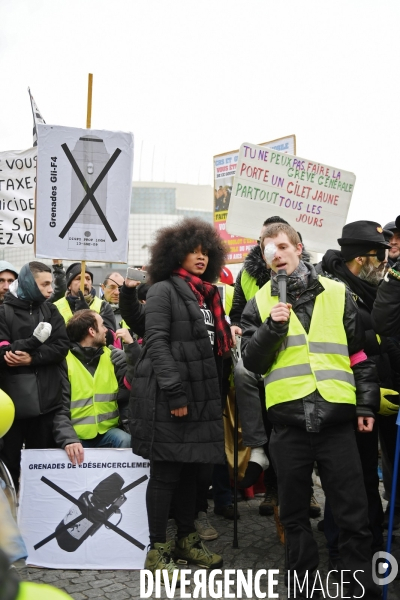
261 342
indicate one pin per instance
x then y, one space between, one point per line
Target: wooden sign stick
88 126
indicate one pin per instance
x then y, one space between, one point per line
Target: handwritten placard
224 170
314 198
17 197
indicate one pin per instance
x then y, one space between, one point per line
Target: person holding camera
175 403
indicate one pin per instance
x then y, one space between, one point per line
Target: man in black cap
360 264
394 241
76 300
386 311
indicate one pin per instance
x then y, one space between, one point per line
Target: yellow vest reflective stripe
228 298
94 407
249 285
65 309
317 360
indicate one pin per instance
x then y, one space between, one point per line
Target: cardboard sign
84 188
88 516
224 171
17 197
312 197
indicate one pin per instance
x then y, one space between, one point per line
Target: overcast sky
193 79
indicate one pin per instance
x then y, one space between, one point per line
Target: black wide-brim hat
368 233
398 222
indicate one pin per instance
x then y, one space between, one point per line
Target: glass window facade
151 208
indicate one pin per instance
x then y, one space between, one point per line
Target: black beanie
74 270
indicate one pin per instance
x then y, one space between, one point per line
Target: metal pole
235 543
88 126
392 503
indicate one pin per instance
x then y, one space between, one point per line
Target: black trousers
367 444
294 451
36 433
171 484
387 437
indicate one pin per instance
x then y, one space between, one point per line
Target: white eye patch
269 252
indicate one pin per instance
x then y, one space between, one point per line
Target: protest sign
224 171
88 516
84 188
314 198
17 197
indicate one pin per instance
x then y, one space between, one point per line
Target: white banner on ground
84 189
17 197
91 516
314 198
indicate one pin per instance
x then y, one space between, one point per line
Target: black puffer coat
177 367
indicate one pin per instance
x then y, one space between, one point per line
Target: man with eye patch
360 264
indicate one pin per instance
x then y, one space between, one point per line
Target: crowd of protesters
148 367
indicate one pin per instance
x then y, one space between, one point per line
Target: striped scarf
206 293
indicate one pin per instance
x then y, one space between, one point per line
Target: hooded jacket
261 342
177 367
17 323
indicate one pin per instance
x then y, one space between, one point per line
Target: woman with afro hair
175 403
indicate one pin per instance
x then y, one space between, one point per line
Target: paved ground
259 548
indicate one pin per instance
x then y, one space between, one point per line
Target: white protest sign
88 516
314 198
84 188
17 197
224 170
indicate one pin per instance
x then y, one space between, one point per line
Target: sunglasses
380 254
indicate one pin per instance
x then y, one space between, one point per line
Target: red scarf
206 293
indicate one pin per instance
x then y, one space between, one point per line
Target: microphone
281 278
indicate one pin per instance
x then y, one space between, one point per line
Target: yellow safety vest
123 325
94 407
317 360
65 309
249 285
40 591
228 298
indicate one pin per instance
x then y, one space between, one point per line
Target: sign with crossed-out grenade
84 184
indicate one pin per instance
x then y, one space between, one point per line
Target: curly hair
173 244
